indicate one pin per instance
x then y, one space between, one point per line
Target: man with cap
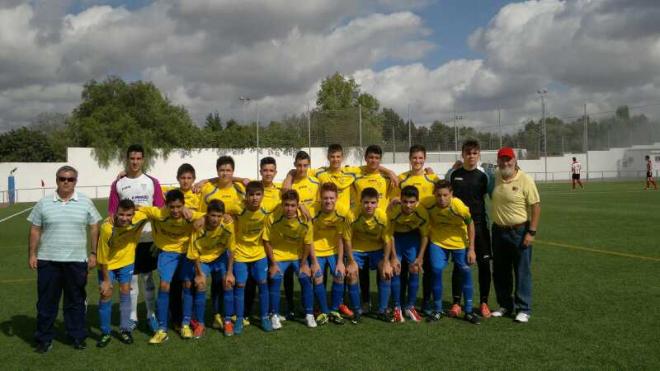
516 209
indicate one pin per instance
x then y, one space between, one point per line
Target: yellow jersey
418 220
423 183
287 236
342 178
208 245
328 229
370 233
375 180
192 200
248 228
308 191
116 247
171 235
449 224
272 198
231 196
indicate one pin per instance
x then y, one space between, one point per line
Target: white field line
16 214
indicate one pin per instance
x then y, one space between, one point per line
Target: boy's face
471 157
268 172
290 208
124 217
328 200
417 160
369 205
408 204
253 199
225 173
186 181
373 161
301 167
335 159
134 162
175 207
443 197
213 219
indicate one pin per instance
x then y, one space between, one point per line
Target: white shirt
576 167
140 190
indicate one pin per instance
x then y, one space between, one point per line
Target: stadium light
542 93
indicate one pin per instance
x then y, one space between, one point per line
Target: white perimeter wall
94 180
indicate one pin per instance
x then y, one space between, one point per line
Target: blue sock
354 294
467 288
239 302
105 312
162 309
187 306
436 287
384 288
307 294
200 306
396 291
337 295
413 286
125 307
228 302
263 299
322 297
274 294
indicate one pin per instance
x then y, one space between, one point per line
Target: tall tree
26 145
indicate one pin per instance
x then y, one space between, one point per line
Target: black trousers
53 279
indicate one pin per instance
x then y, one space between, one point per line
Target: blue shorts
285 265
168 262
407 246
218 265
374 258
440 256
121 275
330 262
257 270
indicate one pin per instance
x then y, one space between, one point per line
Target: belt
511 227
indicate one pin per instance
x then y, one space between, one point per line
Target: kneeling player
208 255
371 239
410 223
451 233
116 257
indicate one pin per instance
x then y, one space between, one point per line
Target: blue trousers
512 260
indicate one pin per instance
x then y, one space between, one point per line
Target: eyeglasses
66 179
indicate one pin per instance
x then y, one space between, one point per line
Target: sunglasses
66 179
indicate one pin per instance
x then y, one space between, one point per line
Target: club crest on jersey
514 188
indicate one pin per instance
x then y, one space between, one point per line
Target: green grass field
596 270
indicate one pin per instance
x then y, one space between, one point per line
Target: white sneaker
275 321
310 321
522 317
499 313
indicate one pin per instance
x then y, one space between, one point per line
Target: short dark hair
329 187
253 187
224 160
410 191
267 161
126 204
216 206
647 157
185 168
135 148
416 148
335 147
470 144
440 184
174 195
574 159
290 195
302 155
368 193
374 148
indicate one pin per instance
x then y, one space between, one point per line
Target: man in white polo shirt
58 251
143 190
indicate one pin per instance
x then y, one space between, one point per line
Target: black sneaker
472 318
290 316
357 317
79 345
126 337
336 318
434 316
385 316
45 347
103 341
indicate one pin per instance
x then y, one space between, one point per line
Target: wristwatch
531 233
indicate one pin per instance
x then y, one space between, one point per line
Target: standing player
649 174
576 167
410 223
471 184
208 255
143 190
371 239
307 186
288 242
452 233
115 258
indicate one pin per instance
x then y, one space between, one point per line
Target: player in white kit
143 190
576 167
649 174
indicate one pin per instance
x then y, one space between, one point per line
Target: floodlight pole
542 93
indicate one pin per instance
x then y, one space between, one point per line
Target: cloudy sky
436 57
